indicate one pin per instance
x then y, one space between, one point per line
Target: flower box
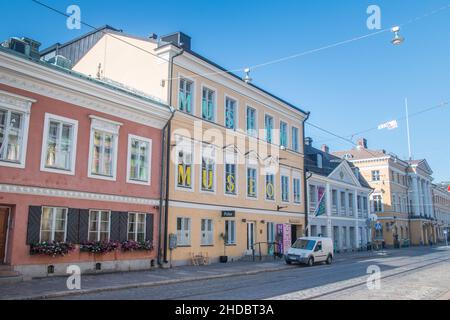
99 247
130 245
52 248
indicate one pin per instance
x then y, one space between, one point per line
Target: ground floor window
99 222
230 232
136 226
207 232
53 224
183 231
271 232
313 231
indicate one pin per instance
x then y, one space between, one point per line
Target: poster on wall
284 237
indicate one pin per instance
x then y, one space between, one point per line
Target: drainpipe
305 179
167 159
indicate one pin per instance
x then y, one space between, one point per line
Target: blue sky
347 89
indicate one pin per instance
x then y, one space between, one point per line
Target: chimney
325 148
362 143
179 39
308 141
153 36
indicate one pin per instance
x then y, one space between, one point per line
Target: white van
310 250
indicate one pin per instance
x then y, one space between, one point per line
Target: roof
329 163
82 76
78 47
360 154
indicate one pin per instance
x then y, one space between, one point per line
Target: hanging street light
247 78
398 39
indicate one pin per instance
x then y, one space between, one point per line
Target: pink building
80 163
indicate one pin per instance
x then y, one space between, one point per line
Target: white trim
22 105
256 136
98 124
53 223
216 107
74 123
214 149
99 220
218 208
264 138
288 146
298 140
182 145
194 94
71 194
149 156
236 174
236 113
210 234
255 167
136 224
346 167
287 174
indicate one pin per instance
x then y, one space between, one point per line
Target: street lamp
398 39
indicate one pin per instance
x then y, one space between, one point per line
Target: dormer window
319 161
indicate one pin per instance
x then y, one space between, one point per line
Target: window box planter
99 247
53 249
130 245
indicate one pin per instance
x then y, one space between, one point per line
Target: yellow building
233 177
441 201
401 198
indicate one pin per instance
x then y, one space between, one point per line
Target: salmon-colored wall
32 176
18 251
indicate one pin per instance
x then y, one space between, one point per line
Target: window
184 231
376 175
283 134
99 222
296 187
53 224
59 144
208 169
139 158
185 97
230 113
343 202
208 104
184 164
136 226
207 232
270 187
377 203
268 121
230 179
284 188
252 123
271 232
319 161
103 153
230 232
295 144
251 183
11 136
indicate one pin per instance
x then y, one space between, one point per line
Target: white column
415 196
430 201
356 237
329 224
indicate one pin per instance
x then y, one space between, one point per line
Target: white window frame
193 109
186 240
378 176
287 134
256 132
216 107
273 137
135 230
236 112
249 166
296 176
269 173
209 234
52 117
99 211
19 104
149 157
228 156
229 240
271 232
297 139
105 126
214 190
285 175
373 201
186 145
53 223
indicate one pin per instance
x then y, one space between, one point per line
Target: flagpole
407 128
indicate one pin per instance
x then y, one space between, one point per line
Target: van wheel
329 259
310 262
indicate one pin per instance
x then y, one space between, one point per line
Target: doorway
4 219
294 234
250 237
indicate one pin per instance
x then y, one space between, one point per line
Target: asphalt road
402 273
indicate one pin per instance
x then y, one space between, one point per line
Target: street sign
378 226
228 214
373 217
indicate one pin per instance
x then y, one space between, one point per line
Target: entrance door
250 237
293 234
4 216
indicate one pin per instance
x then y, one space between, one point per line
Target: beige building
441 201
401 198
234 177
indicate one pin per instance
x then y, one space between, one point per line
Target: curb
144 285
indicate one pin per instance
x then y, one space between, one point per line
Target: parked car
311 250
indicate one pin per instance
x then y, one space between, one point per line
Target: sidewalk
55 287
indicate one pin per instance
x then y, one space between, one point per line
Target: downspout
305 180
168 149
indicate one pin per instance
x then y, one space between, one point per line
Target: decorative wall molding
16 102
70 194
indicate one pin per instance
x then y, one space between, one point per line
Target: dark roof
84 77
329 163
77 48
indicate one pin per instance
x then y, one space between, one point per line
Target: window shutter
83 230
115 226
123 226
149 227
34 224
73 221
